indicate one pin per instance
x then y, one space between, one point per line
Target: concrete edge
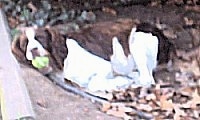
15 100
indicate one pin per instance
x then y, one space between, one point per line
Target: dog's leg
141 62
144 53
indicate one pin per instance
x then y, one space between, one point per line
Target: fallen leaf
196 114
186 105
145 107
178 113
188 21
170 34
106 106
166 104
125 109
195 99
109 10
186 91
151 97
157 91
142 101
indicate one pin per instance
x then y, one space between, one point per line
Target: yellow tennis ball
40 62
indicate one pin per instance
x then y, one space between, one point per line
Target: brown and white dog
118 44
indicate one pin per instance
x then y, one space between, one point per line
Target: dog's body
143 57
98 40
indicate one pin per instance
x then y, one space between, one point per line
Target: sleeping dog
122 53
86 68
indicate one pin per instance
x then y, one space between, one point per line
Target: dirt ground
50 102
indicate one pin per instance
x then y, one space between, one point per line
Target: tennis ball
40 62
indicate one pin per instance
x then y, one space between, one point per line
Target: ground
50 102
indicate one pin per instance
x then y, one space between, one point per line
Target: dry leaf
170 34
196 114
109 10
106 106
192 103
188 21
157 91
177 117
125 109
195 99
142 101
186 105
166 104
145 107
186 91
151 97
178 113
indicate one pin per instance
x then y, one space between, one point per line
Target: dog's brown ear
18 47
55 44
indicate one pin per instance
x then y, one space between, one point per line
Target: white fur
80 65
89 70
144 49
102 83
32 43
94 72
121 64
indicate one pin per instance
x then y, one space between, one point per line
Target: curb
15 100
